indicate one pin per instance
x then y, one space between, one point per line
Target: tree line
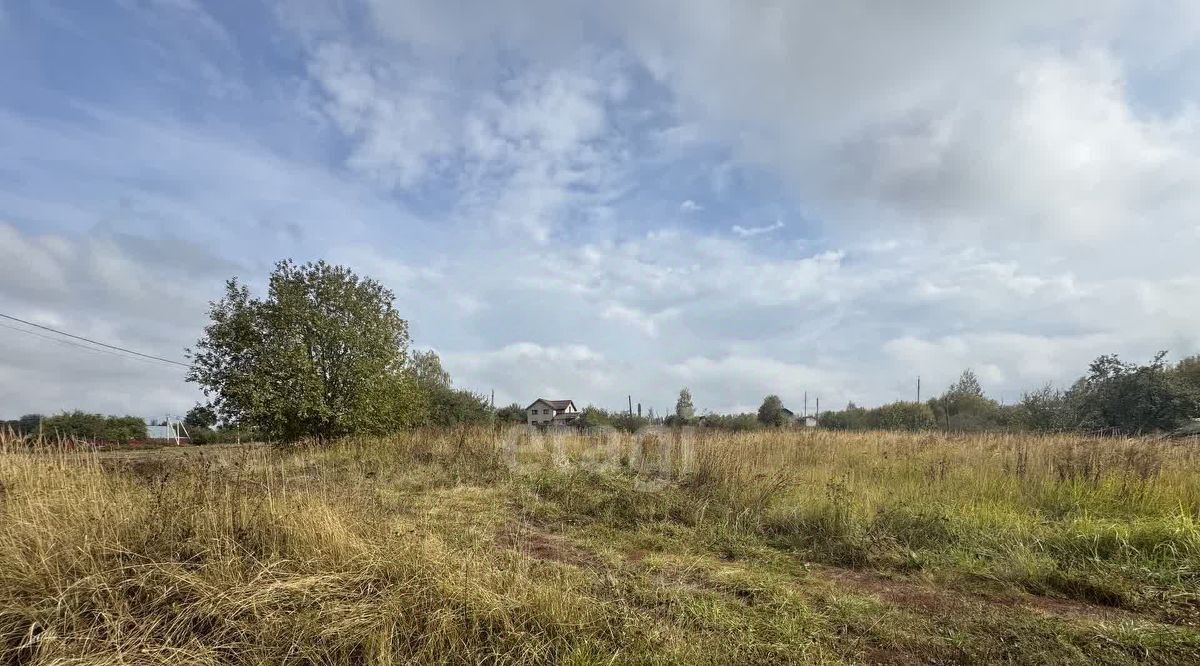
1114 396
79 424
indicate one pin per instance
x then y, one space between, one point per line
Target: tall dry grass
263 557
1114 521
345 553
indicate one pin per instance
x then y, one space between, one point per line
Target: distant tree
892 416
324 354
427 369
1187 372
125 428
684 409
29 424
965 407
901 416
513 413
200 416
771 411
448 407
1131 398
75 424
1045 410
627 422
84 425
967 385
731 422
852 417
593 417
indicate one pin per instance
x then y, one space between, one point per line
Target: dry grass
468 547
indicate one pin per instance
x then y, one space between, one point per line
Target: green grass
451 547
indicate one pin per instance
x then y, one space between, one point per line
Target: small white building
545 412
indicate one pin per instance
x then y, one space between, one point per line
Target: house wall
539 413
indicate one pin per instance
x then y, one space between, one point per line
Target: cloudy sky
590 200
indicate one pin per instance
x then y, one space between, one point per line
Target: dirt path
927 597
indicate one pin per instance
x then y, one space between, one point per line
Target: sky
600 200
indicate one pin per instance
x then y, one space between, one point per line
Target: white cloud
557 371
398 118
689 206
539 152
648 324
1055 153
749 232
523 153
753 377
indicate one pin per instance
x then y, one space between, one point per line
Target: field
681 547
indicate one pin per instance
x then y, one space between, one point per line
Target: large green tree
324 354
684 409
770 412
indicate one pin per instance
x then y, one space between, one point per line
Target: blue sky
580 201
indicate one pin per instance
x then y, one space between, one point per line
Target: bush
95 426
1132 399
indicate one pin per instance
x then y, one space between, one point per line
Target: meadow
477 546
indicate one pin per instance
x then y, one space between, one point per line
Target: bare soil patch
537 544
939 600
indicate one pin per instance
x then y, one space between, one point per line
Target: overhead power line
94 342
73 344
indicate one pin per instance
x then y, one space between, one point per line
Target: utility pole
818 408
639 410
493 398
630 404
806 404
918 389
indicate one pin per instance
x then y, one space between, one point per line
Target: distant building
551 412
789 417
